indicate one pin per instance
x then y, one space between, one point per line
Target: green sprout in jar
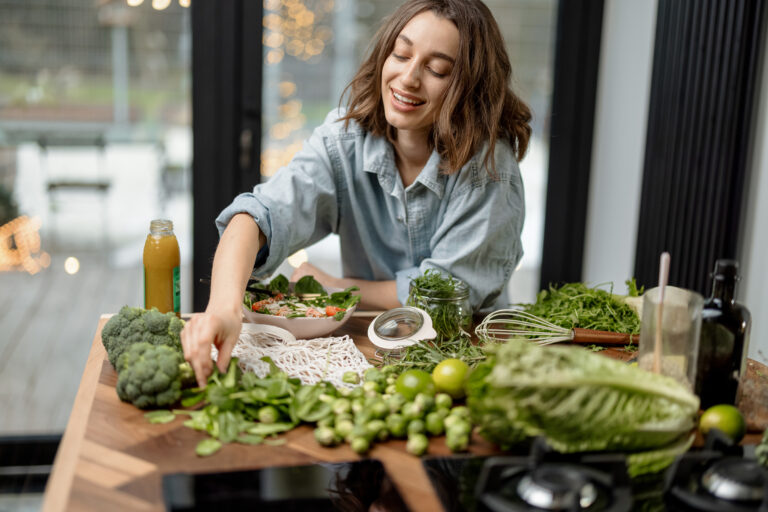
445 299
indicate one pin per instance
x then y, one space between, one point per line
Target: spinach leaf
308 284
207 447
279 284
267 429
160 416
344 299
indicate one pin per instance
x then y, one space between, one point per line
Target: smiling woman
419 172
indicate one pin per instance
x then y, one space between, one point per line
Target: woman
419 172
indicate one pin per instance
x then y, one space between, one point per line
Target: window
95 141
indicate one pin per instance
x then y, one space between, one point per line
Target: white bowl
303 328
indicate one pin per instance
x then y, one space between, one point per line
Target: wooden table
111 458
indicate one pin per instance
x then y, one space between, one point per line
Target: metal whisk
506 324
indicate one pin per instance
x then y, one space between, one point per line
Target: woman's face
415 75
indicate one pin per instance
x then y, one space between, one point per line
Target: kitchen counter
112 458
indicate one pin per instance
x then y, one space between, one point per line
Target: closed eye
435 73
399 57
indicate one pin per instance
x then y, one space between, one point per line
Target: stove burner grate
734 478
557 487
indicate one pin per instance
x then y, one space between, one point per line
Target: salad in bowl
304 308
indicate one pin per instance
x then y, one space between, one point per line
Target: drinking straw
663 277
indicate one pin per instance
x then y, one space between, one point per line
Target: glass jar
161 268
451 312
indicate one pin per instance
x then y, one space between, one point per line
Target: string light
20 246
71 265
160 4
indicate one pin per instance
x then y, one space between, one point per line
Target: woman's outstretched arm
220 324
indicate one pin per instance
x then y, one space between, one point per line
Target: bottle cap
726 269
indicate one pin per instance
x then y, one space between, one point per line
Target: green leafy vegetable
343 299
577 400
308 285
653 461
761 452
577 305
160 416
279 284
207 447
249 439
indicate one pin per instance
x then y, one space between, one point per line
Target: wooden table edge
59 484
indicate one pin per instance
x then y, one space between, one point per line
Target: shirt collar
379 159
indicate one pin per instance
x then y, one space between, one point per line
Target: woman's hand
379 295
203 329
308 269
221 323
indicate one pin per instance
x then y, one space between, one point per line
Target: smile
406 100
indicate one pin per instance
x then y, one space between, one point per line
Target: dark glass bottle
724 339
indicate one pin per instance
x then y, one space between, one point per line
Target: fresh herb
595 348
630 348
443 297
577 305
425 355
634 291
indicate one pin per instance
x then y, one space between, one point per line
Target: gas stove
543 480
720 477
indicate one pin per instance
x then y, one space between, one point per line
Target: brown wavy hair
479 104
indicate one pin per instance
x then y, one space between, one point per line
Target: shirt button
400 218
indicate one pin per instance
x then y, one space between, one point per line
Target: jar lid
400 327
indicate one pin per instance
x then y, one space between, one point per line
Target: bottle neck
161 227
723 289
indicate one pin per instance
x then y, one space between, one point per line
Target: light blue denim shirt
345 181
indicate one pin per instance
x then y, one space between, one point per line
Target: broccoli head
137 325
152 375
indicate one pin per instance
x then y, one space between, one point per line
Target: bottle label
176 290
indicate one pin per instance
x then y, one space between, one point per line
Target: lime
725 418
449 377
412 382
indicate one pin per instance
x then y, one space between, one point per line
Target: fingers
203 330
225 350
196 339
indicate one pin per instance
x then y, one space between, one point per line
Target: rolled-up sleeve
295 208
478 239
